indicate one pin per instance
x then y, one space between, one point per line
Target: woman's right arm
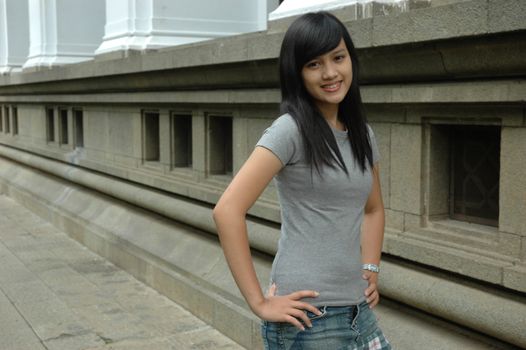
229 216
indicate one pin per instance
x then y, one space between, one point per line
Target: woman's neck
330 114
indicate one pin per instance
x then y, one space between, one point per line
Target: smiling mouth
332 87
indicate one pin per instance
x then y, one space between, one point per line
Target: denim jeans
339 327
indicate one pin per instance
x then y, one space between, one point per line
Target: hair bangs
321 36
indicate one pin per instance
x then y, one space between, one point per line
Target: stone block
129 162
267 48
199 142
399 64
27 291
50 318
405 179
233 321
509 245
96 130
512 198
165 135
382 132
361 32
394 219
412 222
514 277
379 114
437 171
15 333
240 147
120 129
457 19
450 259
12 271
377 94
506 15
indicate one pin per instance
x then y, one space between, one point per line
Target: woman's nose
329 72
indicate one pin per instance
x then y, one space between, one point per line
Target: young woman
324 158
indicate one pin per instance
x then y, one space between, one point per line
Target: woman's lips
332 87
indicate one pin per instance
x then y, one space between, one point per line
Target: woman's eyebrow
339 51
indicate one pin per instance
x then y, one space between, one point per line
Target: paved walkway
56 294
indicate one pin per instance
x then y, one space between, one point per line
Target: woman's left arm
373 236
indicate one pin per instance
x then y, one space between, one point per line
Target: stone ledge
448 256
489 91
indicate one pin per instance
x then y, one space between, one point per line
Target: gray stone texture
382 132
436 170
405 169
141 255
419 23
88 303
512 217
506 15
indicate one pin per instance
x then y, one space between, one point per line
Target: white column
14 35
64 31
152 24
296 7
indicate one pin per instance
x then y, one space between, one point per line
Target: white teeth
331 86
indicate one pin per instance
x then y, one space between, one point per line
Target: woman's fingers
373 299
306 306
294 321
299 314
304 294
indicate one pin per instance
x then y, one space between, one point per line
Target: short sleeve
281 139
374 146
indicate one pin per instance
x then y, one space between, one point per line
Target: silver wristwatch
371 267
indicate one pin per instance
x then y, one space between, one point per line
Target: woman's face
328 77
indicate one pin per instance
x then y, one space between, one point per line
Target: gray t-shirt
319 246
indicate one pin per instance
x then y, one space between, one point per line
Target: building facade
123 121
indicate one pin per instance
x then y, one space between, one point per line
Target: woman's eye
339 57
312 65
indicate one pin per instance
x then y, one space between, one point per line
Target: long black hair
308 37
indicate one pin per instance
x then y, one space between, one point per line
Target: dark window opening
474 179
182 140
79 127
15 120
151 136
220 145
6 114
50 124
63 113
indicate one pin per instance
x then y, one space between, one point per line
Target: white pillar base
63 32
153 24
145 42
48 61
14 35
297 7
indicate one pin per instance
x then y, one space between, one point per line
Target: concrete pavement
56 294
